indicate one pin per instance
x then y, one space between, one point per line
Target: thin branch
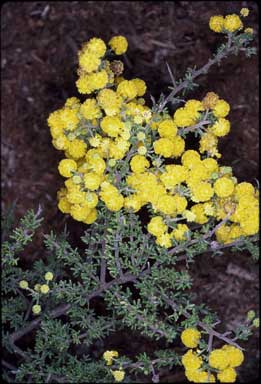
208 329
194 127
197 73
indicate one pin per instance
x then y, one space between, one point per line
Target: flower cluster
38 290
122 154
200 369
229 23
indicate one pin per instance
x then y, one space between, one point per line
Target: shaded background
40 41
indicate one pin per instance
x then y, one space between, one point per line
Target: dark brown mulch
39 59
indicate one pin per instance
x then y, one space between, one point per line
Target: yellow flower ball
249 30
77 149
221 108
139 163
44 289
221 127
157 226
140 86
88 61
191 361
127 89
112 125
92 180
234 355
244 12
23 284
90 109
118 375
48 276
227 375
167 128
109 355
179 233
164 240
224 187
96 46
216 23
118 44
64 205
233 23
36 309
218 359
190 337
91 217
66 167
163 147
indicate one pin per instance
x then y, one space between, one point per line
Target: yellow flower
179 233
218 359
244 12
227 375
221 127
167 128
90 109
112 125
221 108
92 180
96 46
109 355
190 337
157 226
118 375
191 361
216 23
234 355
66 167
233 23
201 191
140 86
249 30
88 61
44 289
91 217
37 287
36 309
139 163
164 240
118 44
127 89
224 187
163 147
48 276
23 284
77 149
64 205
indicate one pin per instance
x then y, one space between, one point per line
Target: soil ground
39 59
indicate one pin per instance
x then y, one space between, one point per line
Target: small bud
141 136
250 315
256 323
112 163
36 309
23 284
37 287
76 179
142 150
